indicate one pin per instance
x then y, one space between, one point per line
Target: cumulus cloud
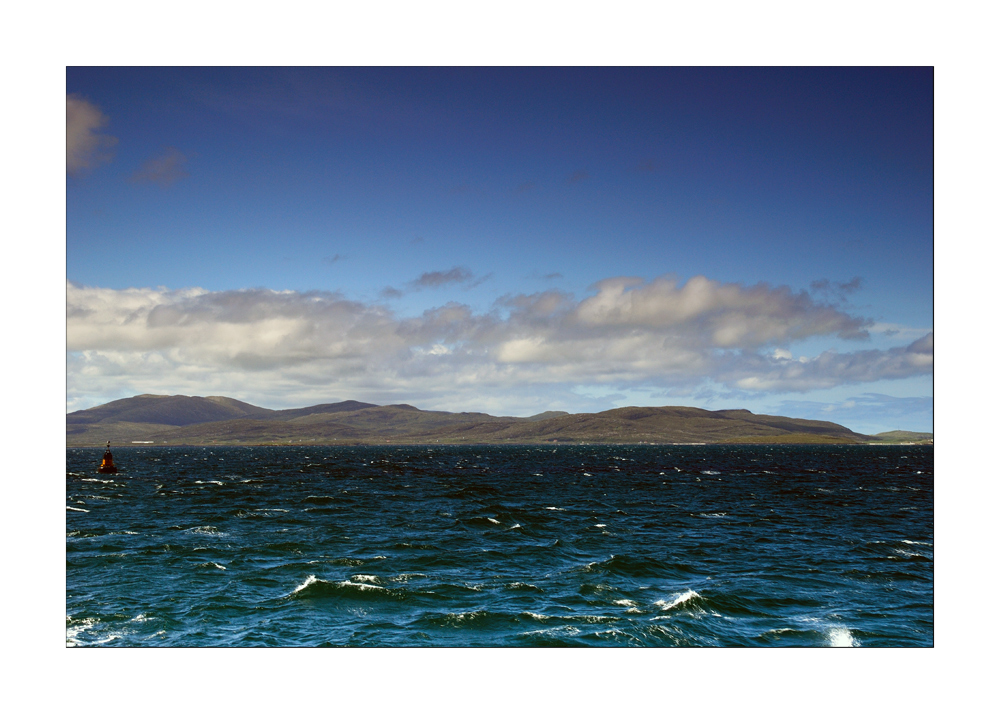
630 333
85 146
163 170
725 315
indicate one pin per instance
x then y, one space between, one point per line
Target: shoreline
136 445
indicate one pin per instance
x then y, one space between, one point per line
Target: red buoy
108 462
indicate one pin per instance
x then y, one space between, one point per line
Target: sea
501 546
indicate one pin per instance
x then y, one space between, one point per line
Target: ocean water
501 546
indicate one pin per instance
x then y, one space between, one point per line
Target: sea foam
841 637
679 600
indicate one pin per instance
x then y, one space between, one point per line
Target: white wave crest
679 600
206 530
361 586
841 637
81 510
347 584
305 583
630 605
74 631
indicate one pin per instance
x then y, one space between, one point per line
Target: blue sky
505 240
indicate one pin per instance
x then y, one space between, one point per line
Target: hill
195 421
903 437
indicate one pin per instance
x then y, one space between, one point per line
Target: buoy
108 462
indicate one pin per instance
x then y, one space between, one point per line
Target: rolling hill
183 420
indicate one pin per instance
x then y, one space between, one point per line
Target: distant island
202 421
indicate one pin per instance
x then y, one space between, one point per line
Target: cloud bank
85 147
630 333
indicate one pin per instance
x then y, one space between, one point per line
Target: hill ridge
186 420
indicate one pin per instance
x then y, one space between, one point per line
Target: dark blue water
501 546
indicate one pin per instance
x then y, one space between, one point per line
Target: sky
505 240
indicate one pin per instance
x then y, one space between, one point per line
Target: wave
561 635
491 523
320 499
841 637
690 596
634 566
490 619
350 562
206 530
316 588
909 554
472 619
631 606
74 630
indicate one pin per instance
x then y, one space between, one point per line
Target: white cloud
285 346
729 315
85 147
829 369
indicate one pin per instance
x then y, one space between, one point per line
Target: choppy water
501 546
